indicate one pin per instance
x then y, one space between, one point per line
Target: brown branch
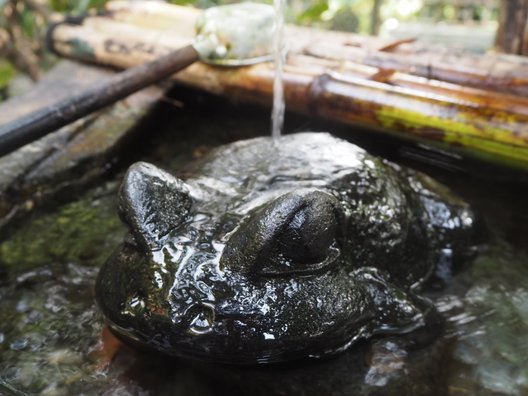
19 49
4 43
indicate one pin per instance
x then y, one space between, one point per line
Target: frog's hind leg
453 228
401 312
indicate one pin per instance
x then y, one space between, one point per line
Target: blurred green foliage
7 72
199 3
346 15
313 12
75 6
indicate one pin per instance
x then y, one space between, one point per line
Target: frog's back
322 155
250 171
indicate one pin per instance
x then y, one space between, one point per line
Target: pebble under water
53 340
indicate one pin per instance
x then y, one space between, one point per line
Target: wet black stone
326 245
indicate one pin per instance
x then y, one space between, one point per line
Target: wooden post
375 17
512 35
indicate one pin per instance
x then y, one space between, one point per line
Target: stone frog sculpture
274 251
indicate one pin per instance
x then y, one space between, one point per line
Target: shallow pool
53 340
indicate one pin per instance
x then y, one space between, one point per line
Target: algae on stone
82 232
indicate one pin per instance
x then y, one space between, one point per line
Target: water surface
53 340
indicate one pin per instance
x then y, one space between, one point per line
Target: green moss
83 232
48 318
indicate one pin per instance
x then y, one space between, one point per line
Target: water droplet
19 344
22 306
203 320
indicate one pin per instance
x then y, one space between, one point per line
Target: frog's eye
152 203
298 233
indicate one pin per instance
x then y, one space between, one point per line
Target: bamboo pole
495 72
474 121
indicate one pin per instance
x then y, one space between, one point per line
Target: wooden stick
41 122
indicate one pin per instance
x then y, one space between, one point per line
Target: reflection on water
53 342
489 323
49 327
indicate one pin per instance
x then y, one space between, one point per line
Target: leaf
313 13
7 72
395 44
383 75
28 22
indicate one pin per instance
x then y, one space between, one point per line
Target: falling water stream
277 114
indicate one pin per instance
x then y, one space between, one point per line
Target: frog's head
272 284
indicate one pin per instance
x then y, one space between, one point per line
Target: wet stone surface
53 341
75 156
